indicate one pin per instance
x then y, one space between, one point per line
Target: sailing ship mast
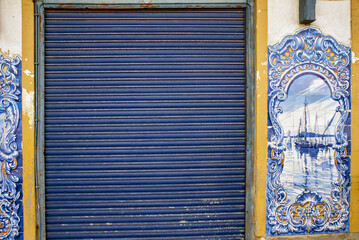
305 119
305 135
300 127
316 123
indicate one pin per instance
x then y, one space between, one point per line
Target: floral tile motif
10 147
308 176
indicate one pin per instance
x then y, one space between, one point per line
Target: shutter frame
244 129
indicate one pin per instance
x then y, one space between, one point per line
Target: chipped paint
258 78
28 134
149 5
354 58
28 73
28 105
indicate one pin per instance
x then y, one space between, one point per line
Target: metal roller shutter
145 124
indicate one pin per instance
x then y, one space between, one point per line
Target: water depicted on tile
308 120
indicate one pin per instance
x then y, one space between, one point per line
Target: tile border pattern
10 146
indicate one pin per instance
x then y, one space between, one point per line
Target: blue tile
10 148
304 138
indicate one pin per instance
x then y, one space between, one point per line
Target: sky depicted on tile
320 110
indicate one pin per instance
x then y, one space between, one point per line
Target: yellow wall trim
260 152
354 203
28 106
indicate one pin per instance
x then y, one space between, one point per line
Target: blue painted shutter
145 124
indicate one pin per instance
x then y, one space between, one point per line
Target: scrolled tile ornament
306 210
10 100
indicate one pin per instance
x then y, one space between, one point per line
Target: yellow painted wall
354 203
260 154
260 147
28 134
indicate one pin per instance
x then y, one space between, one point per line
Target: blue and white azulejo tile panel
10 148
308 163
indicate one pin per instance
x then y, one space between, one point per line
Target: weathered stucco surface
332 18
10 27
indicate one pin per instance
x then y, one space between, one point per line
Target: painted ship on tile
310 140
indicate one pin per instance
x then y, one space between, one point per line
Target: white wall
10 27
332 18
